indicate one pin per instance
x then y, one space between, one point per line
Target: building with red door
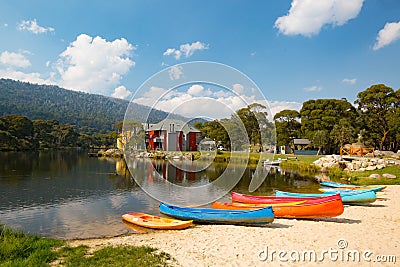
171 135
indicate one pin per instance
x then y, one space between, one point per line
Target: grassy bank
362 178
20 249
303 163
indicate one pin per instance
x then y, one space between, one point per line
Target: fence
356 151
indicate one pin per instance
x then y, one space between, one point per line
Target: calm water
66 194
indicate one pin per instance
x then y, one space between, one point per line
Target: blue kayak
334 184
376 188
252 217
348 196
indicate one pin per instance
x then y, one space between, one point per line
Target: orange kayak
155 222
323 209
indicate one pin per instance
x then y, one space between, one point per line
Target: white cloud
14 59
195 90
94 65
278 106
307 17
200 102
151 96
33 77
313 88
33 27
121 92
238 88
189 49
349 81
389 34
172 51
185 49
175 73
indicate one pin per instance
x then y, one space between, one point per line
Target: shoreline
369 228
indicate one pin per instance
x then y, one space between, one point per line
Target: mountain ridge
87 113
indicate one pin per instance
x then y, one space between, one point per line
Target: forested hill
88 113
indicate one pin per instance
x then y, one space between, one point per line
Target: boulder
371 168
375 176
389 176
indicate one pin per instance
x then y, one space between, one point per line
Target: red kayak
323 209
243 198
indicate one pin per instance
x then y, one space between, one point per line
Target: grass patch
20 249
302 163
361 178
114 256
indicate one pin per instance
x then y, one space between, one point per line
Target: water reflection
66 194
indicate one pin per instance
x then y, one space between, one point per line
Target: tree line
374 121
248 128
20 133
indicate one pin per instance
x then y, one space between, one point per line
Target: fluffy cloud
185 49
94 65
238 88
175 73
33 77
172 51
195 90
121 92
389 34
33 27
277 106
313 88
198 101
307 17
349 81
14 59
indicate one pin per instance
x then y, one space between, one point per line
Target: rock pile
355 164
113 153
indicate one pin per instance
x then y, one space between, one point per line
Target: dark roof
301 141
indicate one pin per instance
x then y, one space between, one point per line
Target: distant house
171 135
207 144
303 144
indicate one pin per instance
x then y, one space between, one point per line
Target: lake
66 194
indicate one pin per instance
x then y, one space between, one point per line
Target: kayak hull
341 186
348 196
155 222
324 209
243 198
252 217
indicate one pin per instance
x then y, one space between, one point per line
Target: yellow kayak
155 222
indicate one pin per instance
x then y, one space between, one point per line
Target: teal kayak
341 186
252 217
348 196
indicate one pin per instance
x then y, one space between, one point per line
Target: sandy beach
361 236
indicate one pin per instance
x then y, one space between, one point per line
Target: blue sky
294 50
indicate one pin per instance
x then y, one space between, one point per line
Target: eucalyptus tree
343 132
320 139
254 118
288 126
323 115
378 106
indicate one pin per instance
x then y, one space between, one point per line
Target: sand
370 232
